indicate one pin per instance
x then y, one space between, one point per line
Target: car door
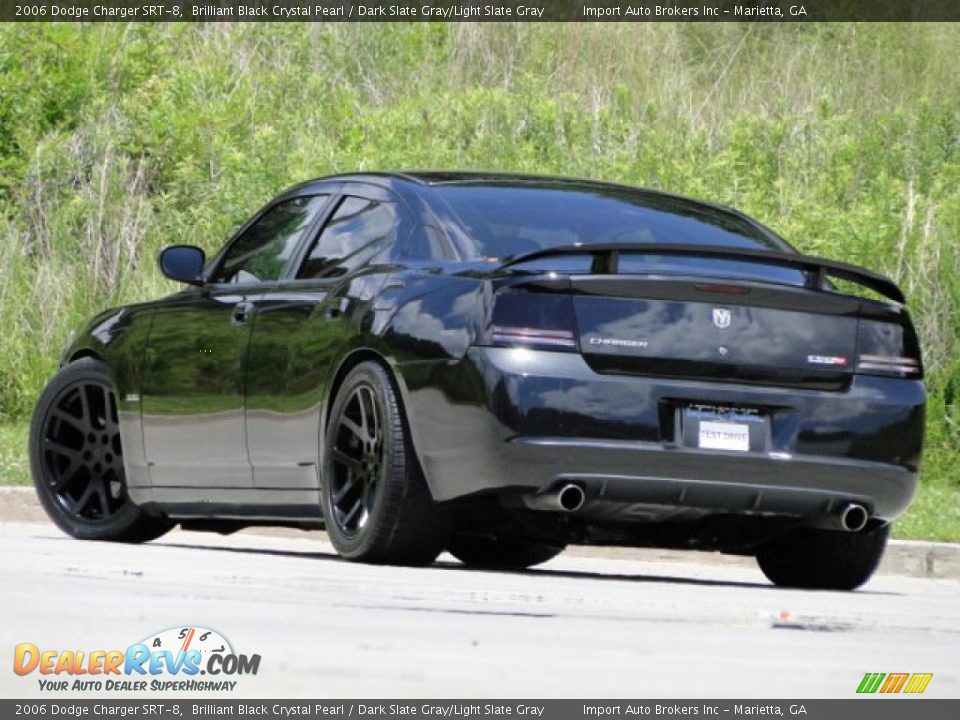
192 393
301 326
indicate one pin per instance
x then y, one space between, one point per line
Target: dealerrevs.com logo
171 660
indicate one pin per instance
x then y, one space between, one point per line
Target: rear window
504 221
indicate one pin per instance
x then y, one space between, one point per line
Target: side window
261 252
357 229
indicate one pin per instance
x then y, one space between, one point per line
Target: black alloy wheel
376 504
357 461
82 456
76 458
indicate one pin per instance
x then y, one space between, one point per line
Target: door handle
241 312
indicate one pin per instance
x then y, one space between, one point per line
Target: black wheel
376 505
76 459
823 559
496 552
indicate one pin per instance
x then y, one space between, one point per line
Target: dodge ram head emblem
722 317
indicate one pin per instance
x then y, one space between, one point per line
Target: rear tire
823 559
76 459
501 553
375 502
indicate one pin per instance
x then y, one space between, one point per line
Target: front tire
823 559
76 459
375 502
495 552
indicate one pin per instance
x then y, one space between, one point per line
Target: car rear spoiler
606 260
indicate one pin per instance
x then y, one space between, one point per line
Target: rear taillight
532 320
528 337
888 348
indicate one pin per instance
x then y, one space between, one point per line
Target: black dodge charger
497 366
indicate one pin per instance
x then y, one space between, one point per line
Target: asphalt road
578 627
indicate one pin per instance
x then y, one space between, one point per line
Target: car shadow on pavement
640 577
541 572
320 555
614 577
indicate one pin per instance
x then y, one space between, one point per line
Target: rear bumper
532 420
720 481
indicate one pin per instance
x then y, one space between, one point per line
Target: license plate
724 436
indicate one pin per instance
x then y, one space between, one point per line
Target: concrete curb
909 558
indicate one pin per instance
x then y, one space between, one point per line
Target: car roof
424 179
387 178
429 178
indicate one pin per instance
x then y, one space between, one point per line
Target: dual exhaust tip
571 497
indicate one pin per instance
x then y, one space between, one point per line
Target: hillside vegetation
118 139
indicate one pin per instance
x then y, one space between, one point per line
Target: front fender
118 337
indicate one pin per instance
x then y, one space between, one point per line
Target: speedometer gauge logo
186 639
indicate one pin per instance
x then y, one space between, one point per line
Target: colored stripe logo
888 683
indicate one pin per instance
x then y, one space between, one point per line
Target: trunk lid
733 331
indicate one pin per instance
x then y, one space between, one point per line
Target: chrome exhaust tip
568 498
854 517
571 498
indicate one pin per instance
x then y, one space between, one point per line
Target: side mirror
183 263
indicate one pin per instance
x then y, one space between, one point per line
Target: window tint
508 220
357 230
637 264
261 252
709 267
505 220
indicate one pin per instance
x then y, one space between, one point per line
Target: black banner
854 709
481 10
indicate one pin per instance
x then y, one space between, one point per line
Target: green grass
934 515
116 139
14 465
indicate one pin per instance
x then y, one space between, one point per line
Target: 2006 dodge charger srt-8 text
498 366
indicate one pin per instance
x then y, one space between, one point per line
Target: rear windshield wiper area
606 259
